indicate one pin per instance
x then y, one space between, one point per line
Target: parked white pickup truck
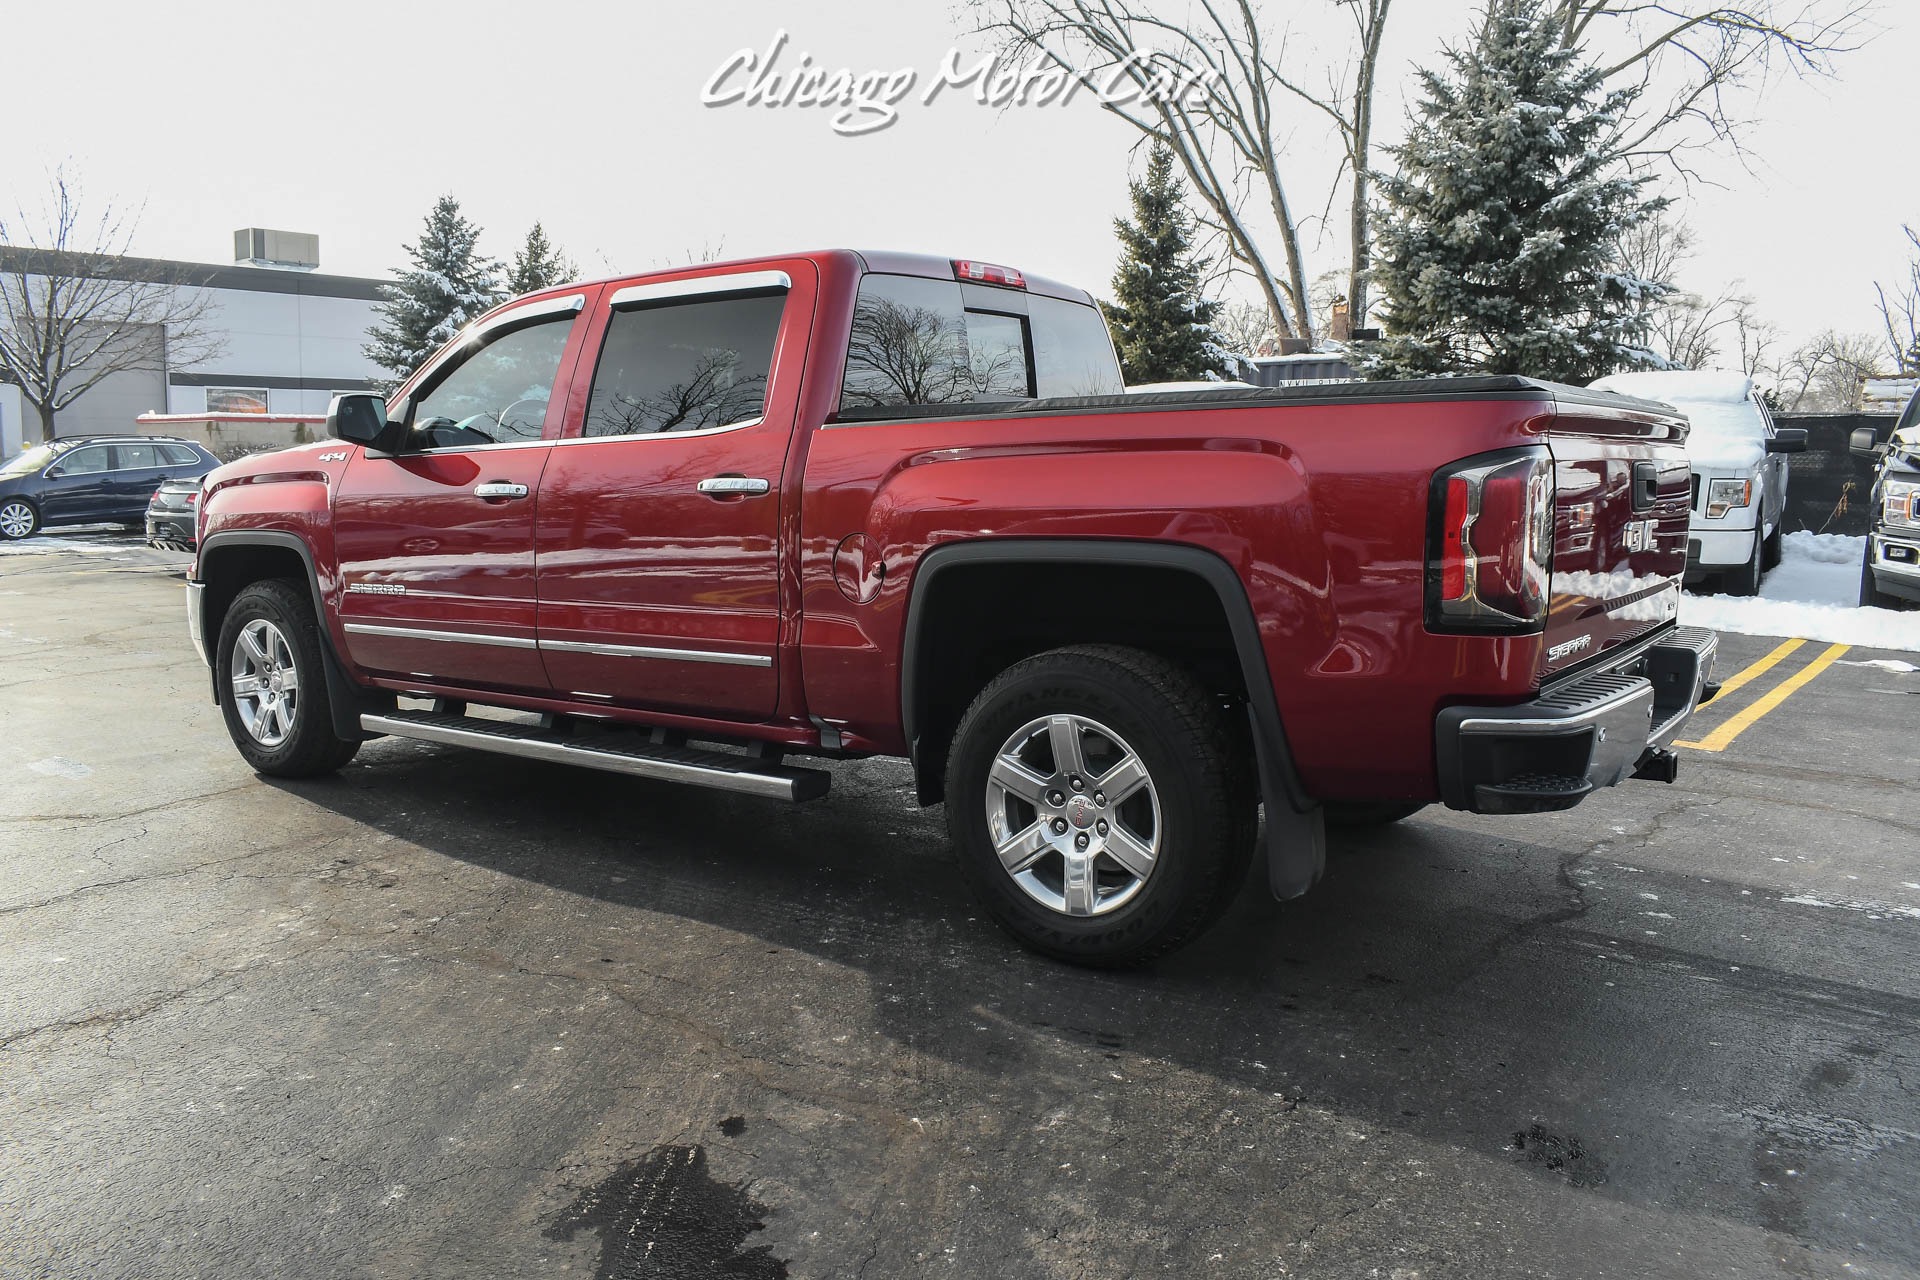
1739 473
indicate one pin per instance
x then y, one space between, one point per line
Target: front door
436 543
76 486
659 524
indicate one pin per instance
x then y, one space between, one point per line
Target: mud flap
1296 849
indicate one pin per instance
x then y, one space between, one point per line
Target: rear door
659 516
138 470
436 544
1621 503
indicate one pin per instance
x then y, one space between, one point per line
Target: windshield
32 460
1723 419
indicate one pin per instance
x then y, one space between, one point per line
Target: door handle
499 489
732 486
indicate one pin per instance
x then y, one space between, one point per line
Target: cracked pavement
410 1020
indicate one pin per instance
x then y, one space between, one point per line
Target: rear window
917 341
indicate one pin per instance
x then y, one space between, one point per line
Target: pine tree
538 264
450 284
1496 236
1162 327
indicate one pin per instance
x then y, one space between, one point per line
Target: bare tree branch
1900 312
75 309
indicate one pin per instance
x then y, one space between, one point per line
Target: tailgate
1621 502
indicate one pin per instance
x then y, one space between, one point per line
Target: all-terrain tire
1116 705
278 715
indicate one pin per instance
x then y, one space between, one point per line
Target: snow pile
1813 595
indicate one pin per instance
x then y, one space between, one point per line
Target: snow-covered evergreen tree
1162 327
538 264
1496 236
450 283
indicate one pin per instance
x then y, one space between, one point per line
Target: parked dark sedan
92 480
170 515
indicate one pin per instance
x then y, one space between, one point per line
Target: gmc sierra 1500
697 523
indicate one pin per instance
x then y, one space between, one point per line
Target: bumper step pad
613 750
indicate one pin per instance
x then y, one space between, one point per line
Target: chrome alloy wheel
266 685
16 519
1073 815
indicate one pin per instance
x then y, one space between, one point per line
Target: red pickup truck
699 524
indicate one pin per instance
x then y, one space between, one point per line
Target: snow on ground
1813 595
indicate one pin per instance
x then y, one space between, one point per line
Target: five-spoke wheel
1101 802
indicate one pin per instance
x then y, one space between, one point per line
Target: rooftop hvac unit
290 250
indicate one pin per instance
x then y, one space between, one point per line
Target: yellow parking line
1722 737
1758 669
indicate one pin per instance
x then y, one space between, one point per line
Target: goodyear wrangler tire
1099 808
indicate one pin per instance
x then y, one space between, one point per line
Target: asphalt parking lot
455 1015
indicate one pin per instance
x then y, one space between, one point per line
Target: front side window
497 395
685 365
85 462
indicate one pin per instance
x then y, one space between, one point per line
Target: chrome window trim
698 286
422 633
664 435
648 651
476 448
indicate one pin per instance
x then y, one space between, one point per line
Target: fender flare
345 699
1295 827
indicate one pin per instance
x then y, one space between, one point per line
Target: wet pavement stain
1567 1156
733 1126
665 1217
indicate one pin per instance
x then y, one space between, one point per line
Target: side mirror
358 417
1864 443
54 472
1790 440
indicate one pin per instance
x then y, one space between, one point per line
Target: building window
236 400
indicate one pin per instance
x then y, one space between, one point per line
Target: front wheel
1870 593
273 687
1745 580
18 519
1098 805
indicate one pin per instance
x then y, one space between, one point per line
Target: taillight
987 273
1490 549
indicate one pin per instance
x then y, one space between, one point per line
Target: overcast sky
349 118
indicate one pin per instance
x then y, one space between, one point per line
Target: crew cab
1739 466
718 524
1890 568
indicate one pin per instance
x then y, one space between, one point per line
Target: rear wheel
18 519
1098 806
1745 580
273 687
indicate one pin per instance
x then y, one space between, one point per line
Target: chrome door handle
499 489
728 486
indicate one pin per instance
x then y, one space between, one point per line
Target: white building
291 336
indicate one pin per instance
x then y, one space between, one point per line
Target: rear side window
178 455
685 366
136 457
920 341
